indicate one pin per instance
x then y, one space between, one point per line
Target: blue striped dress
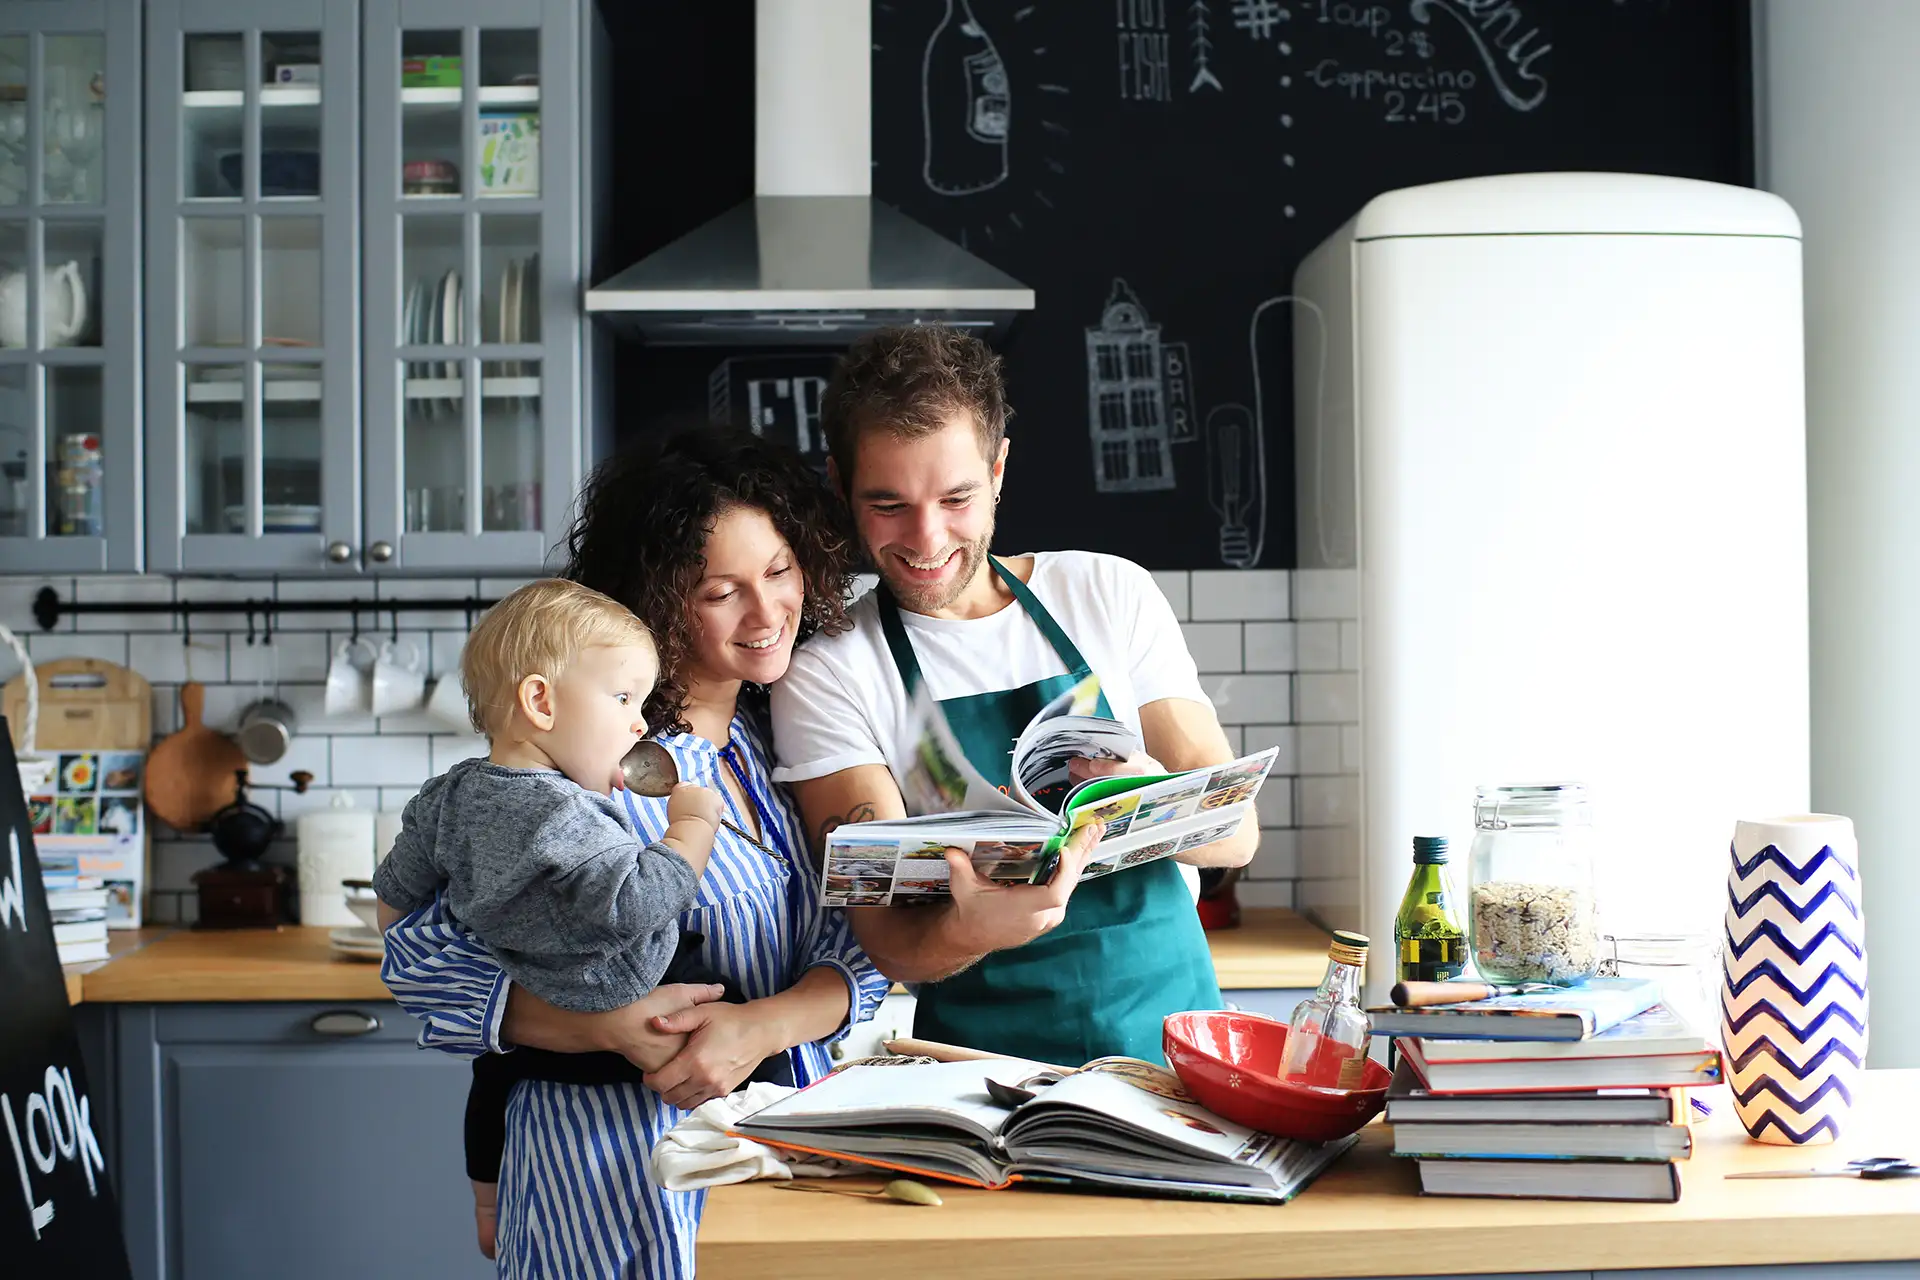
576 1193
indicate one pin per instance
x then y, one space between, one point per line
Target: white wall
1839 120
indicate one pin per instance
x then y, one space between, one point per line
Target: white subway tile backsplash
45 647
16 604
394 800
1241 595
1174 585
224 702
1215 646
166 707
402 761
450 749
1258 737
308 753
1278 857
172 659
1275 802
1349 646
1319 748
445 647
1326 593
1330 802
293 657
1350 748
429 589
1250 699
1234 738
1324 853
1329 697
1270 646
309 703
1318 645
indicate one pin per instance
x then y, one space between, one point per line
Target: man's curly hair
640 530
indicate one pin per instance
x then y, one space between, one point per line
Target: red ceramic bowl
1229 1062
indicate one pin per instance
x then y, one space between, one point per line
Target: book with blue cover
1571 1014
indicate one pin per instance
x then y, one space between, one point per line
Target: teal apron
1130 950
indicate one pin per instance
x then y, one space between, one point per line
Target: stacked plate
431 318
355 942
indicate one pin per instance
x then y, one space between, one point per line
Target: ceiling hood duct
813 258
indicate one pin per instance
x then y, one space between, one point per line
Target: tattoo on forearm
859 813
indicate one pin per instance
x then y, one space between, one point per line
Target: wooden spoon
904 1190
649 770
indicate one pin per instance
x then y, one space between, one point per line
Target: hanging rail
49 608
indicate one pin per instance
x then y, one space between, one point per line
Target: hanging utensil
649 770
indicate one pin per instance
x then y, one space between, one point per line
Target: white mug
347 677
448 704
398 683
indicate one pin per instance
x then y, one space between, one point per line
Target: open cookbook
1015 835
1117 1125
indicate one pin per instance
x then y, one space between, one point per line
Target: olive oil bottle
1429 944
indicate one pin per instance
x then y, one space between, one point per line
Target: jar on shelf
1531 876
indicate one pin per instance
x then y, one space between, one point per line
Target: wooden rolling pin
907 1047
1420 995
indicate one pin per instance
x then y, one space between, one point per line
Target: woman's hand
634 1031
724 1043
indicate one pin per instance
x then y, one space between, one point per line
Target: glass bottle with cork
1429 944
1328 1035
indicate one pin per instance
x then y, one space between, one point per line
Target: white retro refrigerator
1551 478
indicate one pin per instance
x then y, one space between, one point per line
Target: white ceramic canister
335 844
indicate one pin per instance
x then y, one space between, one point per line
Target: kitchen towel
699 1152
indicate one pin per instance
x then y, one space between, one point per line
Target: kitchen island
1365 1217
258 1097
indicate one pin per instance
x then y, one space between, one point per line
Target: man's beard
932 597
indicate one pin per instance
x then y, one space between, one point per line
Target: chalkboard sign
57 1213
1155 169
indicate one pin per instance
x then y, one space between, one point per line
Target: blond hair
538 630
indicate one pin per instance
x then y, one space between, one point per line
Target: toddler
538 859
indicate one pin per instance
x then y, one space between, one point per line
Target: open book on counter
1116 1125
1015 835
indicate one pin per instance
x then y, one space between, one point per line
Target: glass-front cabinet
252 251
363 331
472 262
69 287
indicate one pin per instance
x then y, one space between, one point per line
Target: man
915 420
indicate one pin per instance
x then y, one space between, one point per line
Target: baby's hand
691 800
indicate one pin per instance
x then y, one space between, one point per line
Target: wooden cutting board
190 775
85 705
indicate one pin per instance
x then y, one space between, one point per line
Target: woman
731 550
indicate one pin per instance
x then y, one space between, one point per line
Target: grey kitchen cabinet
364 346
292 1140
70 457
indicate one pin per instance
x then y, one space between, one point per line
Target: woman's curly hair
640 530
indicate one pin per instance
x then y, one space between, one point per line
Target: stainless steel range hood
812 259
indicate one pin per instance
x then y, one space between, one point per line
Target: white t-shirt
842 702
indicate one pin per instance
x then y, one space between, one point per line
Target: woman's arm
725 1042
442 975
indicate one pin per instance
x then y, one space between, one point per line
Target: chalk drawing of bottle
1236 483
965 109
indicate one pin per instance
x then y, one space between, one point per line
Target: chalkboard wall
1166 164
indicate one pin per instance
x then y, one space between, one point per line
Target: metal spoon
649 770
905 1190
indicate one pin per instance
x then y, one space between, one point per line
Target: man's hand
632 1032
724 1043
988 916
1081 768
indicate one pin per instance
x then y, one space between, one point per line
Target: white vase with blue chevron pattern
1793 1004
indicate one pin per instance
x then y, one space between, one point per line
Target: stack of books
1569 1095
77 905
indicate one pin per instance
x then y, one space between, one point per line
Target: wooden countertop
176 965
1364 1217
1273 947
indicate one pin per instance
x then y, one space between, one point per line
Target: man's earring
996 499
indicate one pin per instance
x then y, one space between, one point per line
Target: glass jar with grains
1531 877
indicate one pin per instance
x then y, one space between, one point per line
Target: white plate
450 332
